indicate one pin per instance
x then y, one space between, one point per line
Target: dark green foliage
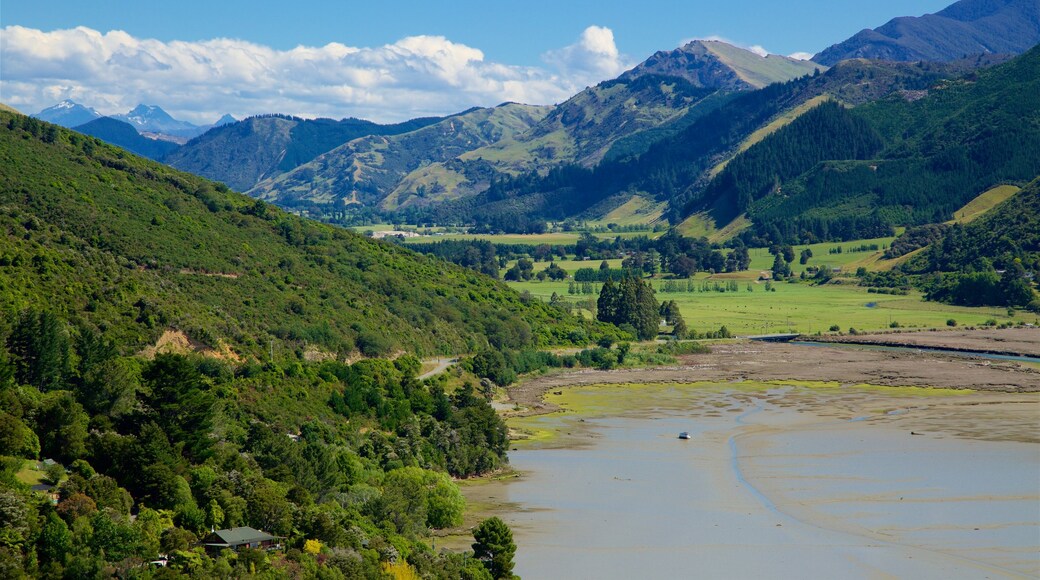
940 151
914 239
828 131
962 266
630 302
476 255
41 344
494 546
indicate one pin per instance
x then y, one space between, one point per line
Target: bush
835 328
951 322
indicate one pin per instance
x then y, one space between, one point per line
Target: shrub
951 322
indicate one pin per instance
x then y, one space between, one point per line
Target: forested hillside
113 241
940 151
988 261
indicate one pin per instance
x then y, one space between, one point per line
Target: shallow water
780 483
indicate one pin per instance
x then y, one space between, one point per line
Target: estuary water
779 481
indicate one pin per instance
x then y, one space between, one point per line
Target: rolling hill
109 240
965 28
369 170
243 153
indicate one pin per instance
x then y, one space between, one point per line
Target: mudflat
765 361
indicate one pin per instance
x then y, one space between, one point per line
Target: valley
414 308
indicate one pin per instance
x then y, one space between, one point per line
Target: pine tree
607 305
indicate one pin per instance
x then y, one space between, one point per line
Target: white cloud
594 56
759 50
801 55
199 81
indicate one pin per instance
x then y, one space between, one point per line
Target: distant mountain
153 119
672 164
581 130
124 135
718 65
243 153
225 120
68 114
965 28
369 170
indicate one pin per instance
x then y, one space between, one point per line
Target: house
47 490
238 538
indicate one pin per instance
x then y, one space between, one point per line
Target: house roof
238 536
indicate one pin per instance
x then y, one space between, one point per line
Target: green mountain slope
674 162
1009 231
122 134
243 153
940 151
134 247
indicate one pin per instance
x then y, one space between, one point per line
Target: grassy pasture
800 308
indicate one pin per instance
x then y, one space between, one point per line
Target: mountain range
662 130
965 28
150 120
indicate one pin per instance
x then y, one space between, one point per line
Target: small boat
684 435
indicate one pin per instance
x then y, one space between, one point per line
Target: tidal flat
780 479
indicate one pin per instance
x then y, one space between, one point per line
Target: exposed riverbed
778 480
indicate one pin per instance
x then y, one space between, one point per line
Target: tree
679 330
62 423
41 344
607 305
804 257
780 268
494 547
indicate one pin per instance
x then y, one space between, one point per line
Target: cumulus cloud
199 81
593 56
801 55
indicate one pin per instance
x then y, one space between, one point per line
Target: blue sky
537 50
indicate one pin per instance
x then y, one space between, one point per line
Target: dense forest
992 260
137 248
940 151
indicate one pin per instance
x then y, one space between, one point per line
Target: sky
387 60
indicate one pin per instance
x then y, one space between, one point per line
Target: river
779 481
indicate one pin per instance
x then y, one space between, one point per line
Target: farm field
800 308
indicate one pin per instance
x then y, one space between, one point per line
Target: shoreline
764 361
1022 342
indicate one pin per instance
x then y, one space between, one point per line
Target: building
238 538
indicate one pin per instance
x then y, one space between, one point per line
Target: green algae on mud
567 427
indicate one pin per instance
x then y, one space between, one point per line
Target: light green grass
984 203
762 260
638 210
799 308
